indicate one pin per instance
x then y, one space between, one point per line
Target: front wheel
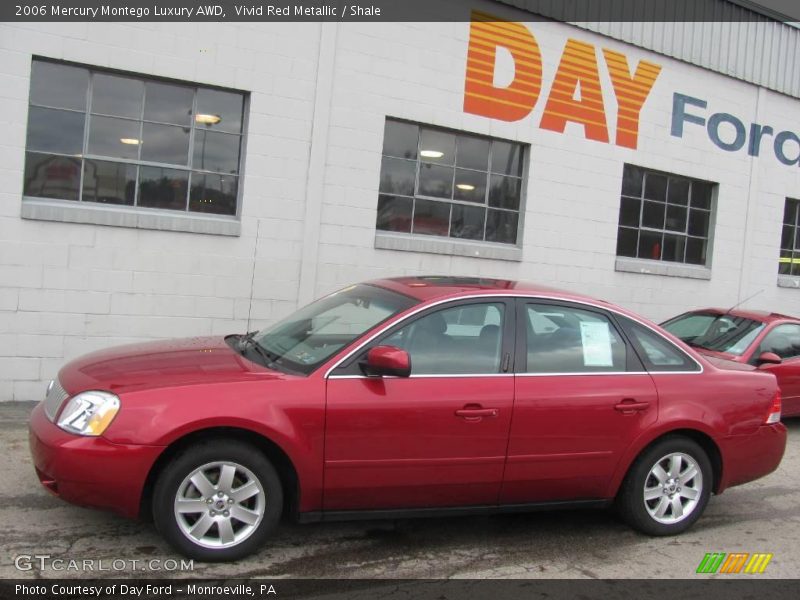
667 488
217 500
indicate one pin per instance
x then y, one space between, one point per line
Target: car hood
160 364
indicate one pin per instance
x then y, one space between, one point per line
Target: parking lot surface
763 516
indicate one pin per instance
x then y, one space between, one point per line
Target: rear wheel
667 488
217 500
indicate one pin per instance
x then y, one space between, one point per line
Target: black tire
196 456
630 499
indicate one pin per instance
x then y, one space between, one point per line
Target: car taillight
774 414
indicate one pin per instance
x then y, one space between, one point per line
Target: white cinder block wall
319 95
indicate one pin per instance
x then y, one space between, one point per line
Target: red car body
787 372
347 444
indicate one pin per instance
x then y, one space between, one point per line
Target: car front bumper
89 471
749 457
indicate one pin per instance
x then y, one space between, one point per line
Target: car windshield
307 338
712 331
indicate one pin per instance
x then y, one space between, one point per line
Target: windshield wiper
248 339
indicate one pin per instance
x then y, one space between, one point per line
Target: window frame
685 235
450 202
350 366
81 210
633 363
794 251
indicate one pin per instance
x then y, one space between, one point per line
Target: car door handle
476 413
629 406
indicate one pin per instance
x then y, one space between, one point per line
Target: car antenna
727 312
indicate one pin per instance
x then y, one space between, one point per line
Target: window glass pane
678 191
467 222
676 218
114 137
790 212
569 340
655 187
55 130
787 237
784 341
796 263
400 139
698 222
470 186
109 182
169 144
632 178
58 85
629 210
627 240
431 217
118 96
504 192
660 353
701 194
216 151
507 158
797 238
435 180
397 176
218 110
394 213
212 193
458 340
674 247
785 262
501 226
50 176
653 214
649 245
167 103
437 146
472 152
163 188
696 251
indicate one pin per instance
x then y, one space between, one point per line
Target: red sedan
407 397
770 341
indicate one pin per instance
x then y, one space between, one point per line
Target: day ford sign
576 93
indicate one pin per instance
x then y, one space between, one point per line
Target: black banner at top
391 10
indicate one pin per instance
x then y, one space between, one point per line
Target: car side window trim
633 366
349 367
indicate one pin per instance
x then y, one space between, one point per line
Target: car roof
431 287
755 315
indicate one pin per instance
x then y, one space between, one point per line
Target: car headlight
89 413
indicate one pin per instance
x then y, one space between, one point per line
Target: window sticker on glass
596 340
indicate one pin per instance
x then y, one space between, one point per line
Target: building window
789 262
446 183
110 138
664 217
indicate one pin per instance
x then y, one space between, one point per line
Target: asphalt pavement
763 516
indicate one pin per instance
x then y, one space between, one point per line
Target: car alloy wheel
217 499
219 504
673 488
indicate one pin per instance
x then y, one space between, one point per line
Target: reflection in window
449 184
137 141
464 340
664 217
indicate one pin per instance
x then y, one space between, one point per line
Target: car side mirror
768 358
387 361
